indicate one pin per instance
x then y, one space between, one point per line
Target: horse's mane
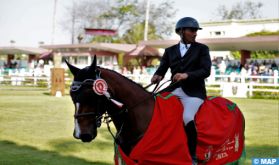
118 74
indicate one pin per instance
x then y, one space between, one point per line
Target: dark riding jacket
196 63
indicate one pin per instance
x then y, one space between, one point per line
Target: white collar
184 45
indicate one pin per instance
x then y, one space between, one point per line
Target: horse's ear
93 66
72 68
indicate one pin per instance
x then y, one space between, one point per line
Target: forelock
84 74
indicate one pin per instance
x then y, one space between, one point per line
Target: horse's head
88 104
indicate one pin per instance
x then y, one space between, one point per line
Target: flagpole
146 20
53 22
73 22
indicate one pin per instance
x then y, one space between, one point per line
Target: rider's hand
180 76
156 79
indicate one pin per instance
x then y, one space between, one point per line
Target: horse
97 91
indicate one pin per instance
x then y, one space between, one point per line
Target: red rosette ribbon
100 86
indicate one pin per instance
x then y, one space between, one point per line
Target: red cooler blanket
164 142
220 127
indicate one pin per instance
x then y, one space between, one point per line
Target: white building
236 28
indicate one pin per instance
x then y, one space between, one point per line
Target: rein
156 88
151 85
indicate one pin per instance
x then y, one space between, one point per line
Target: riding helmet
187 22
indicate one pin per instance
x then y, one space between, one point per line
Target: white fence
229 85
243 86
14 80
226 85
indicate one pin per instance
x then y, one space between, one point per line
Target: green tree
161 16
240 10
264 54
263 33
135 34
127 13
247 10
259 54
85 14
236 54
120 15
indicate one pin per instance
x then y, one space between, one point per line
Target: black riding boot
192 138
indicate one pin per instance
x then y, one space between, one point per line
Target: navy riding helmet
187 22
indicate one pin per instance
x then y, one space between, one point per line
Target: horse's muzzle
85 137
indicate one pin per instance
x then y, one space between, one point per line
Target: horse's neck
123 89
138 102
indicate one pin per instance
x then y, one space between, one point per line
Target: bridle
101 114
75 87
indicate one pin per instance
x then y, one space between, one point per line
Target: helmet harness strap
181 34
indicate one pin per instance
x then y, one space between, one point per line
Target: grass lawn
36 129
262 127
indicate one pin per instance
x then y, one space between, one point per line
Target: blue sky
28 22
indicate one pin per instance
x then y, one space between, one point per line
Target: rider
190 64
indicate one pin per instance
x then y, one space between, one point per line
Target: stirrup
194 160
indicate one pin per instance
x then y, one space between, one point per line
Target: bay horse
131 120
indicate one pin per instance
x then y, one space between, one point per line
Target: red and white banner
100 32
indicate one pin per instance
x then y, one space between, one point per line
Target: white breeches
190 104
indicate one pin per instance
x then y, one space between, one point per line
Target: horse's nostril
86 137
75 136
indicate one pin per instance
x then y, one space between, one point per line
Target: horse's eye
75 87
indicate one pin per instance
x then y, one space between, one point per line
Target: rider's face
189 35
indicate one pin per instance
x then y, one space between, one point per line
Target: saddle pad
164 142
220 128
